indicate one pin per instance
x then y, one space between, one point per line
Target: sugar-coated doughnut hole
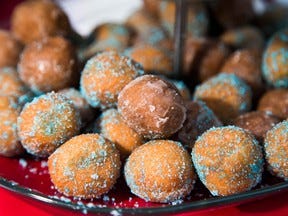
276 150
48 64
153 59
113 127
275 60
152 106
105 75
46 123
160 171
10 49
86 166
275 102
199 119
108 37
9 112
228 160
34 20
226 94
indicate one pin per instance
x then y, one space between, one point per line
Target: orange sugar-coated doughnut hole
275 60
226 94
105 75
152 106
108 37
46 123
160 171
228 160
48 64
10 49
86 166
276 150
153 59
9 142
113 127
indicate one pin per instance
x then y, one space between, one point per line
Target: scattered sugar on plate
33 170
43 164
23 163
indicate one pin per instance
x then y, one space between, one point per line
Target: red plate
29 177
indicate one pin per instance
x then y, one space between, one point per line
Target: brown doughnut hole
152 6
245 37
233 13
152 106
199 119
204 58
33 20
257 122
9 50
246 65
9 142
275 102
49 64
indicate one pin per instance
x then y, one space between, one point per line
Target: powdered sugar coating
105 75
276 150
86 166
228 160
152 106
160 171
46 123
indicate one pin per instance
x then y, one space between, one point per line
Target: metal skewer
179 36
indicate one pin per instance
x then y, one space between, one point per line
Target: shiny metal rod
179 36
